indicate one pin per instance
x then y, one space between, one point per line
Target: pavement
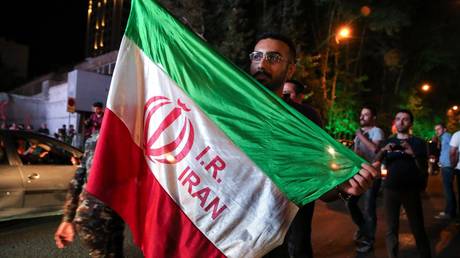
333 229
332 233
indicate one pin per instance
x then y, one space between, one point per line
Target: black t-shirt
314 116
404 171
307 111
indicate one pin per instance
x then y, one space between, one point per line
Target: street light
455 108
426 87
344 32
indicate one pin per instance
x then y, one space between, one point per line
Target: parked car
35 171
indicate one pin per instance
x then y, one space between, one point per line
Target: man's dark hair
371 108
442 124
407 111
299 87
280 37
98 104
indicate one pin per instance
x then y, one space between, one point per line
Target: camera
397 148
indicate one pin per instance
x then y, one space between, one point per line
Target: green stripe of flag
294 152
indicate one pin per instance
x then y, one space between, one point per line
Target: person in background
434 150
14 126
43 129
98 226
95 119
70 134
294 90
406 161
61 133
454 153
447 172
366 144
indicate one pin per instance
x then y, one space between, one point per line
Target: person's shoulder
418 140
391 138
456 134
455 139
377 131
309 112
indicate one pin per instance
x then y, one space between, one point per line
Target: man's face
289 89
403 122
98 110
439 130
272 74
366 118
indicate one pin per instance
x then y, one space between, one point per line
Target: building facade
106 23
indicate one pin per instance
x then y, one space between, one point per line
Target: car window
3 156
33 151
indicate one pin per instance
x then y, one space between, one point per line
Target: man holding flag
212 163
272 63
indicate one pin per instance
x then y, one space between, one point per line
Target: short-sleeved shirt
455 143
444 159
375 134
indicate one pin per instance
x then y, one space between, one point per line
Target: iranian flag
198 158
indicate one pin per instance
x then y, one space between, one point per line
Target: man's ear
291 71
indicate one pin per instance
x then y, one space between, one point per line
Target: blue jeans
448 178
366 223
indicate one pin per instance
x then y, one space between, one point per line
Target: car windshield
35 151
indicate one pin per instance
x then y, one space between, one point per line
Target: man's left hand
360 182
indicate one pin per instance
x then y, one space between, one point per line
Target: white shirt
455 143
375 134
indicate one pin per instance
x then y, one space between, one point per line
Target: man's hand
407 148
64 234
388 147
360 182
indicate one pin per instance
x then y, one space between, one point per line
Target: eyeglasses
271 57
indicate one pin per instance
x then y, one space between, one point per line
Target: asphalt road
34 238
333 229
332 233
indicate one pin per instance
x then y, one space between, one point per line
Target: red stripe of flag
121 178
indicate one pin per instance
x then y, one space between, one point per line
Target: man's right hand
64 234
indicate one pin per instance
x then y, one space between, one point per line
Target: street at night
211 127
332 234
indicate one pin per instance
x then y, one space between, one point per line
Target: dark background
394 49
54 31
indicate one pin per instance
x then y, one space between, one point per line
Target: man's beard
403 129
364 123
267 80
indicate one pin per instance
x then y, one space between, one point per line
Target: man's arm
372 145
356 185
453 155
65 233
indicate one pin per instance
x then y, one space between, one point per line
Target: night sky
55 31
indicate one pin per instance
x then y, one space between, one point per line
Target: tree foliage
395 47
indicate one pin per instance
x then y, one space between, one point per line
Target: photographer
406 160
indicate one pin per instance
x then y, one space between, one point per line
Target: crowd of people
403 155
64 133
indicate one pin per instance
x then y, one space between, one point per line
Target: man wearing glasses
272 64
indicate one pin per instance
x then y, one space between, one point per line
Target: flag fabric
198 158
